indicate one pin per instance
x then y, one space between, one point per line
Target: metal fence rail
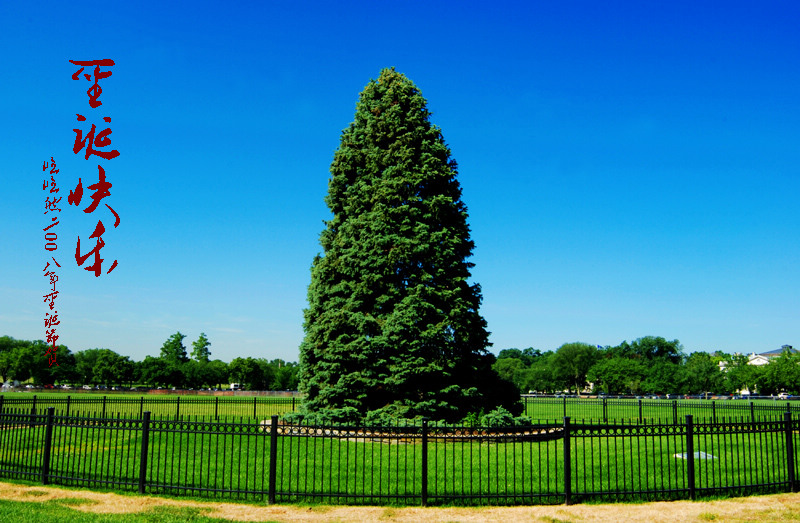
652 410
537 408
561 462
216 407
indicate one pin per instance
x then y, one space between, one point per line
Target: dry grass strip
778 507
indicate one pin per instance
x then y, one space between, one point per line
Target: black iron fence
216 407
654 410
562 462
537 408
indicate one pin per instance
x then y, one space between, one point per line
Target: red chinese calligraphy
95 90
101 140
97 266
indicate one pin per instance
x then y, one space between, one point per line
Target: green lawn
262 407
654 410
126 405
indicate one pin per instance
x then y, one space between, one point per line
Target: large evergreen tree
393 328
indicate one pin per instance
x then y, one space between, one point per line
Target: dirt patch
778 507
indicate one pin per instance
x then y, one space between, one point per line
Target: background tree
703 374
111 368
65 371
392 328
7 346
155 372
618 375
740 376
216 373
781 374
173 349
664 377
572 362
655 347
540 377
85 361
284 375
513 370
201 348
248 372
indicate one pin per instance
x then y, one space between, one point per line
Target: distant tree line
648 365
25 360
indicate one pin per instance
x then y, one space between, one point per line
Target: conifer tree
392 329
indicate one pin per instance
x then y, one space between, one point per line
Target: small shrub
473 419
499 417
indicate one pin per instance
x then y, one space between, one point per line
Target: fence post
104 407
273 457
424 462
565 406
293 406
143 453
714 411
605 410
2 400
690 456
216 408
33 410
141 406
790 472
48 438
254 407
567 465
674 412
640 411
178 408
752 413
69 398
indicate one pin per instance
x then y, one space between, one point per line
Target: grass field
262 407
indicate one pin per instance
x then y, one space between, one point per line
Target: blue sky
629 169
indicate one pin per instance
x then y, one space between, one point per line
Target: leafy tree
102 366
540 377
572 362
112 368
664 377
7 346
527 356
392 327
216 373
200 348
283 375
656 347
781 374
740 376
155 372
85 361
513 370
64 371
618 375
248 372
173 349
703 374
29 362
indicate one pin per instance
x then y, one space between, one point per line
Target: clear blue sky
630 168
